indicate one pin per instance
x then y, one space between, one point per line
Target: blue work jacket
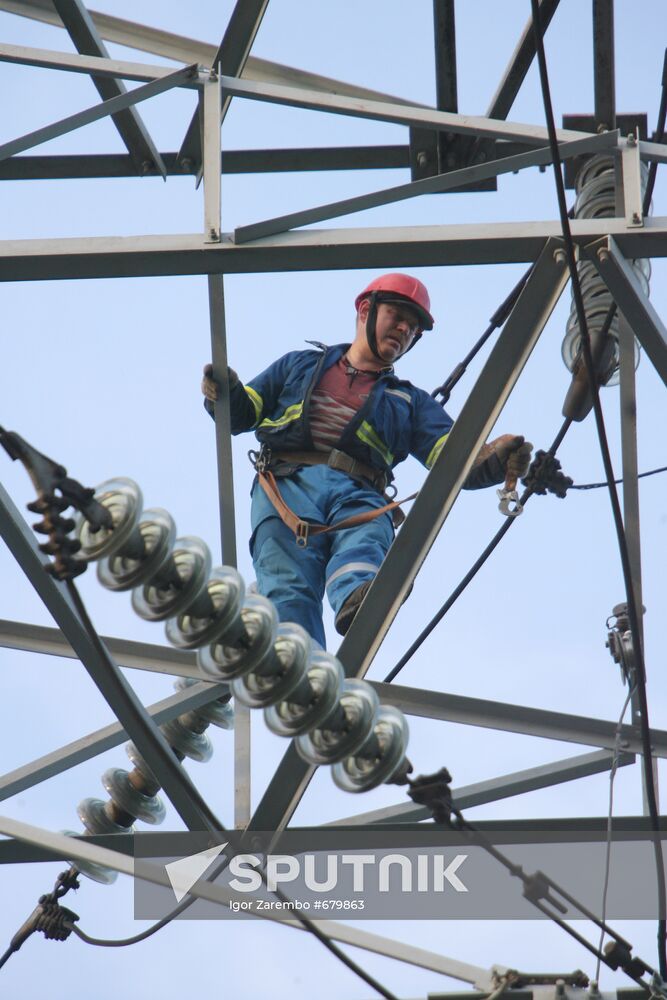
397 419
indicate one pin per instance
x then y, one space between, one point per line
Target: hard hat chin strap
371 332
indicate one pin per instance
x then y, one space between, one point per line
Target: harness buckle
260 460
301 533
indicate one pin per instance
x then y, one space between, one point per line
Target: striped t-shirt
338 395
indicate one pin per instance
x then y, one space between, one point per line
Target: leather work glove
507 455
209 386
514 452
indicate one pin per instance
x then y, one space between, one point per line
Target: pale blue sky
104 376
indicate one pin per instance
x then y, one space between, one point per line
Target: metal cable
597 486
607 867
472 572
613 495
497 320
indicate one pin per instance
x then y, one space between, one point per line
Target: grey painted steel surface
94 113
313 250
97 65
444 31
187 50
632 184
604 82
622 282
103 739
132 130
223 437
235 161
73 848
502 787
127 653
230 59
208 116
111 683
517 719
413 115
429 185
430 509
223 420
628 407
520 63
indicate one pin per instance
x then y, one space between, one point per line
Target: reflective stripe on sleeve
292 412
435 451
369 436
256 401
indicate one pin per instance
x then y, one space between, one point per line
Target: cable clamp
545 476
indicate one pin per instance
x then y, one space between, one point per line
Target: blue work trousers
295 577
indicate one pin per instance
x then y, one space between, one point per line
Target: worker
332 423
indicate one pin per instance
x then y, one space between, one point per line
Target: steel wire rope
537 886
613 494
474 569
446 388
607 866
598 486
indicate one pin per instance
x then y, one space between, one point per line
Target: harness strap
335 459
304 529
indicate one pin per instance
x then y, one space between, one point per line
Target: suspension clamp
434 792
619 956
545 476
55 492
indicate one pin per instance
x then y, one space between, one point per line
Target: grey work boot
349 608
351 605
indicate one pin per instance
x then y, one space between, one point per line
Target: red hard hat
401 287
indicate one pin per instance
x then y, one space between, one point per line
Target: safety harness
266 460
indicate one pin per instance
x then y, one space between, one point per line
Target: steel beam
101 67
313 250
444 30
107 677
223 437
430 185
520 63
633 207
188 50
603 64
230 59
208 118
436 497
517 719
235 161
430 509
81 849
104 739
655 152
130 127
95 112
517 783
137 655
413 115
631 300
223 420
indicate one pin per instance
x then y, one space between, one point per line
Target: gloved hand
209 386
514 452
